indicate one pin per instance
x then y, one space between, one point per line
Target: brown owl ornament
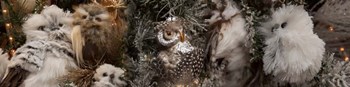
98 31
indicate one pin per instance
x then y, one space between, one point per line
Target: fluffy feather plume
77 43
293 52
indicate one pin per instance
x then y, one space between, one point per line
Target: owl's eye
284 24
98 19
84 17
60 24
41 28
168 33
104 74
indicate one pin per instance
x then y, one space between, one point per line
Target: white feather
77 43
293 52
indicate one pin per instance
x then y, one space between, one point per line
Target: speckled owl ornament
182 63
293 53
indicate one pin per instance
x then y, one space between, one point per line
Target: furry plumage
293 52
47 53
227 44
97 39
108 76
182 62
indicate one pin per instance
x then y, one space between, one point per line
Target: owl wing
190 67
194 61
29 58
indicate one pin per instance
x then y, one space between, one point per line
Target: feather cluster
293 53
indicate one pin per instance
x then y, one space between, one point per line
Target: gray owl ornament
47 54
182 63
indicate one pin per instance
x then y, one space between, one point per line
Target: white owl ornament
293 53
108 76
47 53
229 56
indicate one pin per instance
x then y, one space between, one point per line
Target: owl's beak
182 37
275 27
